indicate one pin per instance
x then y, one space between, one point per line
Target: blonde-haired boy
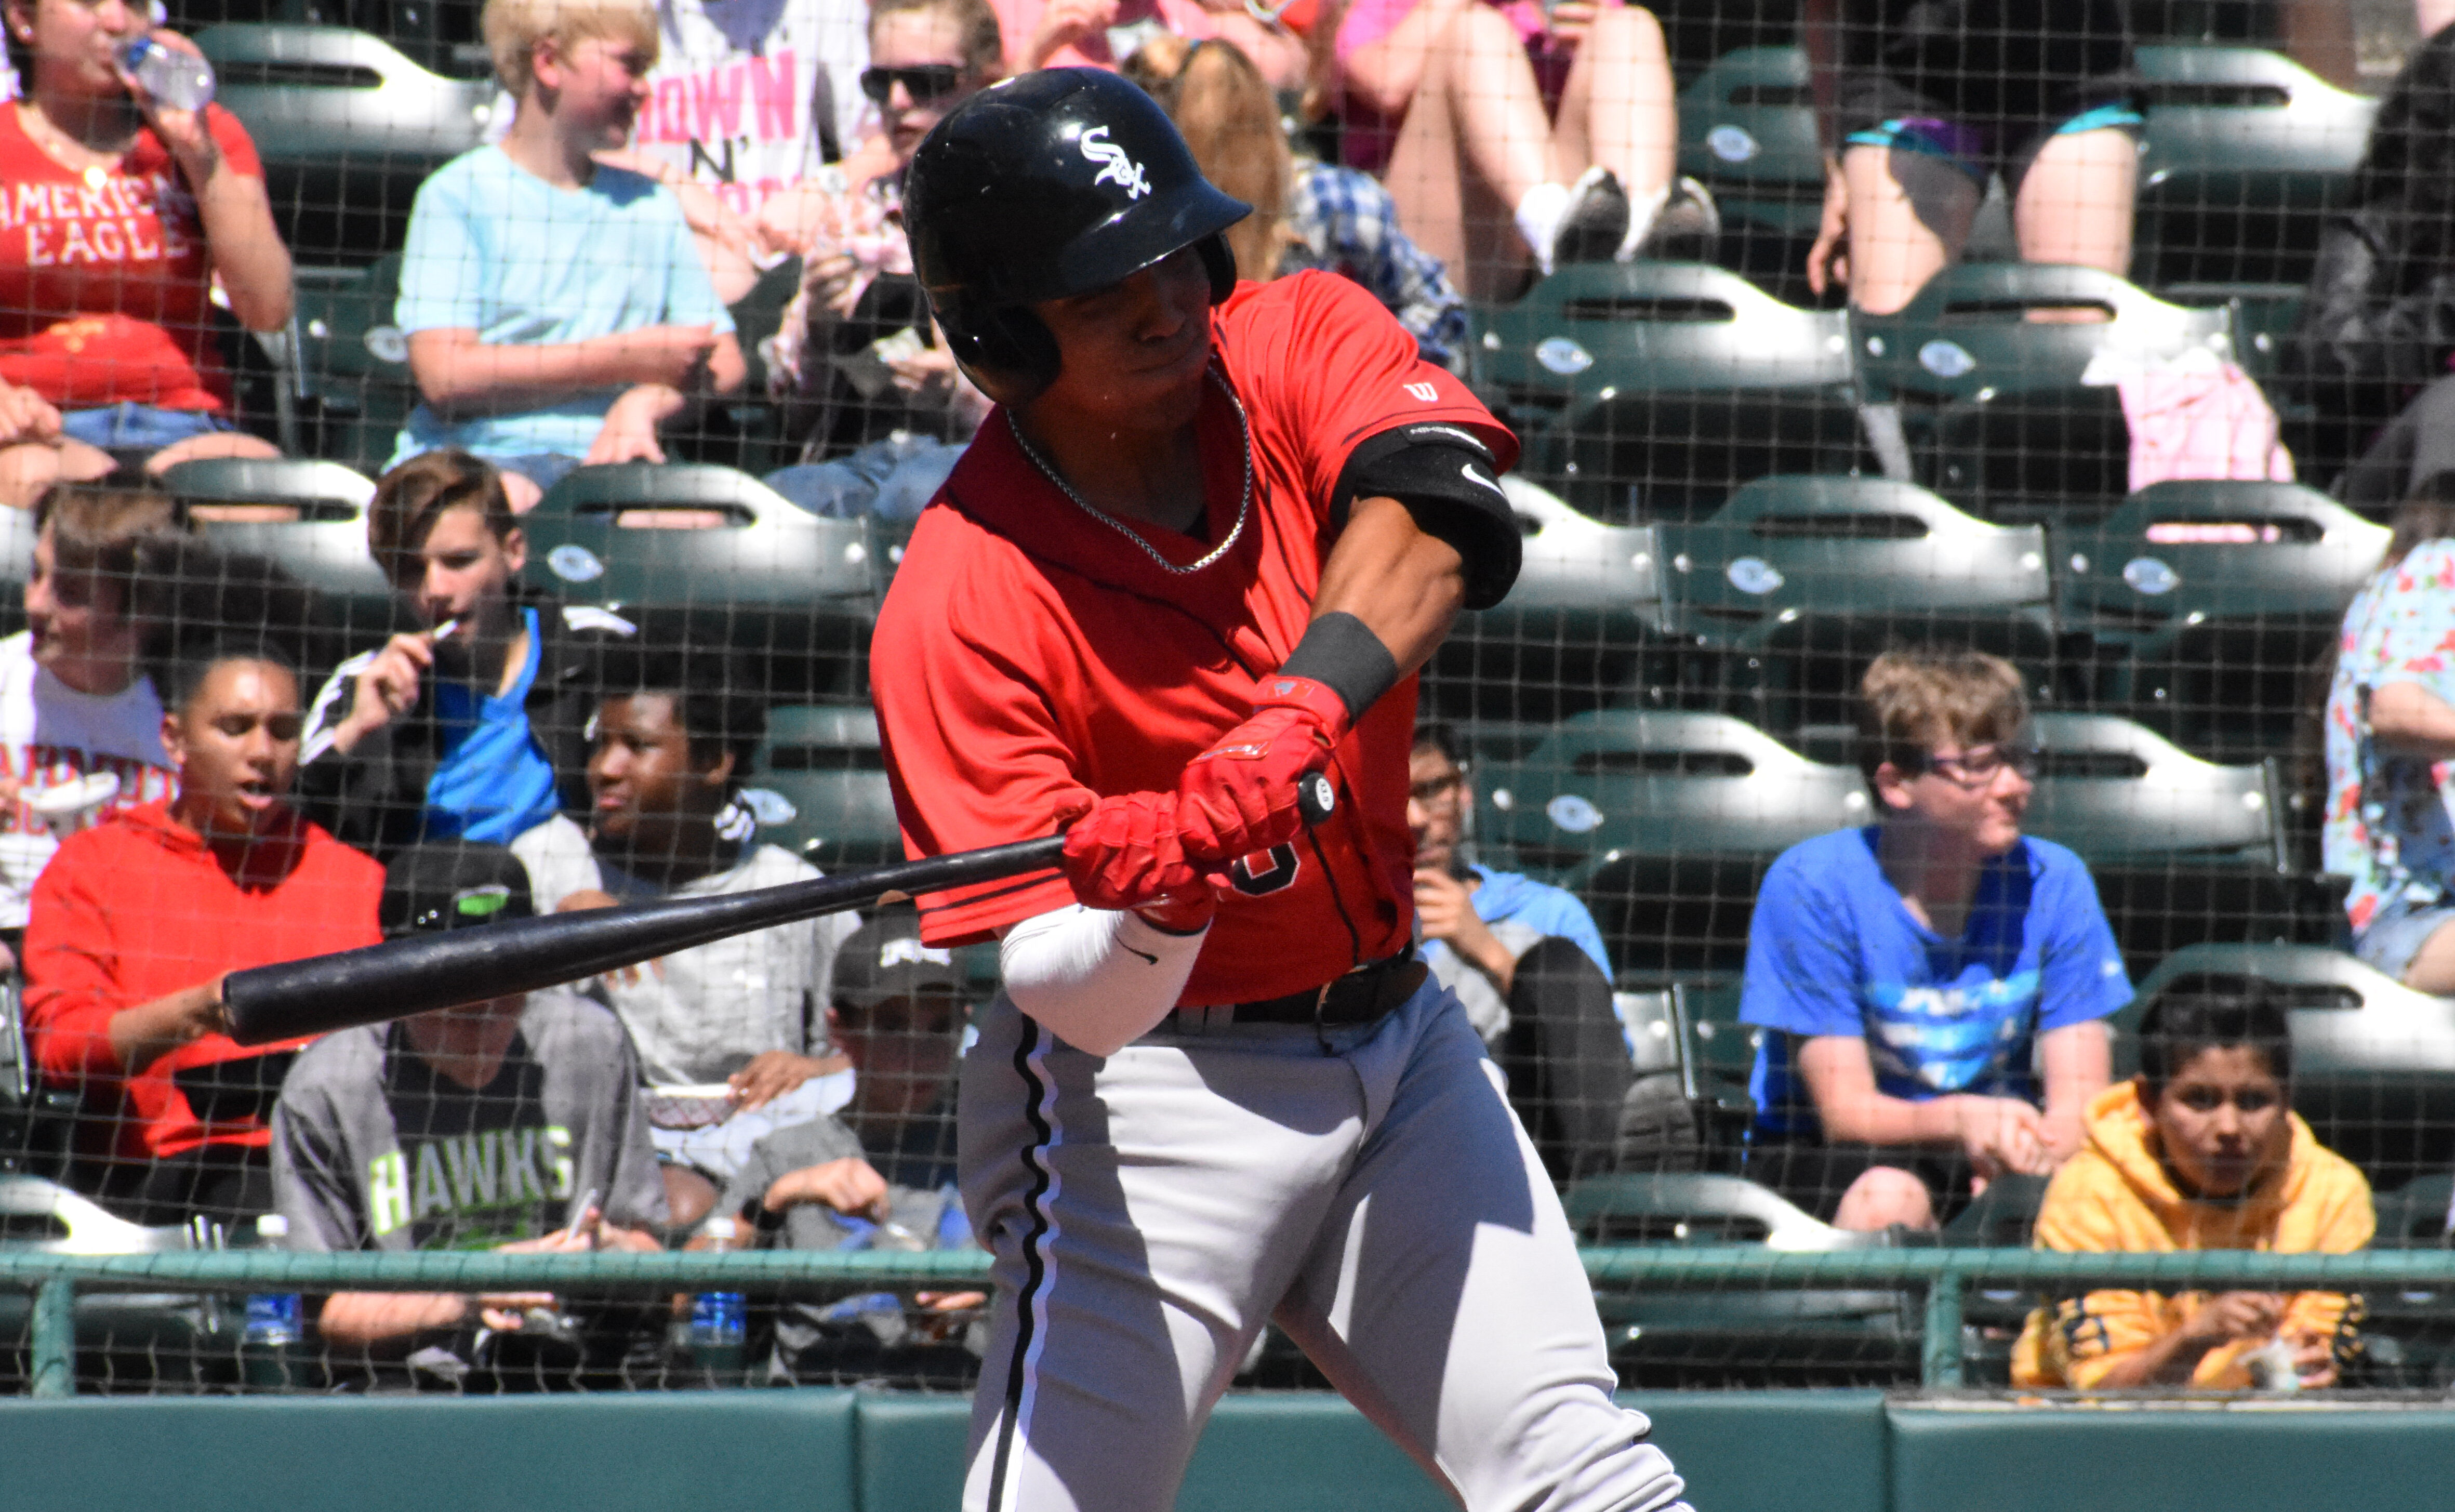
1905 974
556 309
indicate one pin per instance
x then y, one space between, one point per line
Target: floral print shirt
2387 824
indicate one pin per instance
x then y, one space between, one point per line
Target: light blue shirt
496 250
1834 952
1505 896
493 780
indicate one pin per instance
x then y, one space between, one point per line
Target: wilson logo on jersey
1115 167
1276 871
1427 391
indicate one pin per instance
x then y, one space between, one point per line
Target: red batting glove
1240 796
1125 853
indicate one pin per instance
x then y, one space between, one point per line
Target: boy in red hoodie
135 924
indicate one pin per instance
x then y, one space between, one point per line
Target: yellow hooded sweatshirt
2115 1195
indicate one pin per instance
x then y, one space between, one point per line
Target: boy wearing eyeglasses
1933 987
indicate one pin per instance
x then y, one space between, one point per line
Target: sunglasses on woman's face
930 81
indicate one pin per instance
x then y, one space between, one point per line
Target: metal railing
1944 1275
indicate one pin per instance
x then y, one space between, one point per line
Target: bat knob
1317 800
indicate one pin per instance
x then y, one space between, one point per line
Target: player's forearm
1096 979
1407 586
362 1319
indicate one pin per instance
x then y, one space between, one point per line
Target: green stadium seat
307 517
1747 131
826 763
348 125
2244 153
1797 581
352 362
1994 409
1569 632
1664 821
2119 793
712 556
1649 391
1685 1338
2373 1060
2206 602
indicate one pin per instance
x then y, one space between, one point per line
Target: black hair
2212 1010
200 605
179 680
707 685
2408 166
1436 735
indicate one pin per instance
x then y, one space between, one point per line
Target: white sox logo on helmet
1115 167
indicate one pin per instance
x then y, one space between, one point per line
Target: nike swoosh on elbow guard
1473 477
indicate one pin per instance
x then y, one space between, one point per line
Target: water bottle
718 1320
272 1317
176 80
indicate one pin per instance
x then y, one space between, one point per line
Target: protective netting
2107 341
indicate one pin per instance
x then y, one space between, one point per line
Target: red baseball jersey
1029 650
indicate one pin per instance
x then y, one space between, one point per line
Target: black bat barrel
426 972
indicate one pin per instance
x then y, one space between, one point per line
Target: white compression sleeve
1098 980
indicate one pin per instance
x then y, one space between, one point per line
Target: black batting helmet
1044 187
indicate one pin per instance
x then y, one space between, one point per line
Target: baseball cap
885 959
431 887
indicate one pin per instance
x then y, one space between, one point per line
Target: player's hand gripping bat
422 972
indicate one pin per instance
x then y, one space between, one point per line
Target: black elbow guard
1447 479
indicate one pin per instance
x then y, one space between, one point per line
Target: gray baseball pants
1367 1187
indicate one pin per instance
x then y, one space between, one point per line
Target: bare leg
226 444
2432 969
2074 205
1900 239
30 467
1619 107
1474 141
1882 1197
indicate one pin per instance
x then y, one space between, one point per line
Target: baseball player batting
1198 552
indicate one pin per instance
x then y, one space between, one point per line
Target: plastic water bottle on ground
176 80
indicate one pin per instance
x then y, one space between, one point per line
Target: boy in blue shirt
555 308
1906 974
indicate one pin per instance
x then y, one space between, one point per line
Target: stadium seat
2001 413
1797 582
826 761
713 556
352 362
1649 391
1747 131
347 126
2119 793
133 1340
1664 821
2206 602
1772 1337
307 517
1569 632
2373 1060
2244 153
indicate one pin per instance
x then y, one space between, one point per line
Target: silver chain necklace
1244 504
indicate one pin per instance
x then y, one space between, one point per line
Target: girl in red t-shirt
115 215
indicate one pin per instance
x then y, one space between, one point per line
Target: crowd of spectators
1931 991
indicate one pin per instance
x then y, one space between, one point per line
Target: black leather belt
1359 998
